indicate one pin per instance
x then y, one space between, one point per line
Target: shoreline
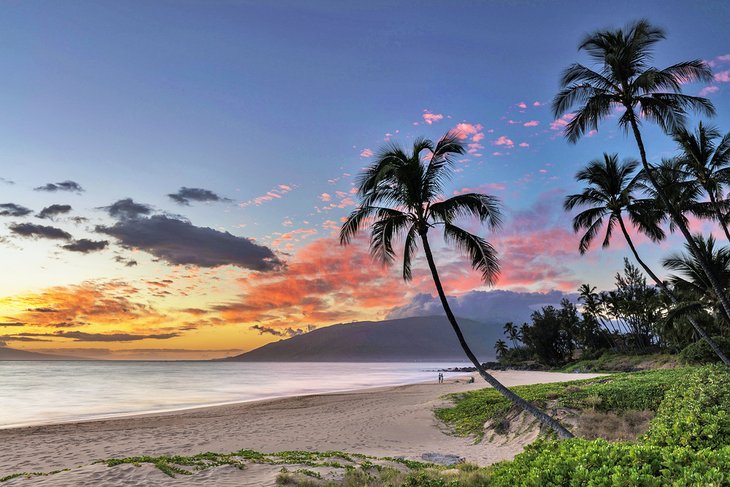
182 409
385 421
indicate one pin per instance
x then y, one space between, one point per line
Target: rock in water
442 459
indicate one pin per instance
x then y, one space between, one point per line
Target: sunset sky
175 172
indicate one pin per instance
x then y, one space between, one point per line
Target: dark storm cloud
11 209
40 231
85 245
185 195
53 210
62 186
182 243
127 209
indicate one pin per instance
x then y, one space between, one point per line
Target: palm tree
512 332
402 194
708 163
610 191
625 81
692 281
501 348
592 307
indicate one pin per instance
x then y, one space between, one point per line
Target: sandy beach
393 421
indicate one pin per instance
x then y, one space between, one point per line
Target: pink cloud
524 144
531 123
463 130
366 153
325 197
522 105
503 140
707 90
537 104
513 122
723 76
482 188
560 123
273 194
430 118
478 137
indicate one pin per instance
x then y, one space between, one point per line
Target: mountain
420 339
13 354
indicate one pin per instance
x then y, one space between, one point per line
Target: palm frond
484 207
483 256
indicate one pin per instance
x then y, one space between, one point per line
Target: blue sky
274 105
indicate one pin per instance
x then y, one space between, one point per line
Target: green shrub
615 393
695 411
701 353
598 463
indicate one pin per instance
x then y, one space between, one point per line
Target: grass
638 391
618 362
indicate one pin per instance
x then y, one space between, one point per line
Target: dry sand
393 421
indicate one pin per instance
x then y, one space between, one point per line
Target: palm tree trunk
719 291
720 218
523 404
713 345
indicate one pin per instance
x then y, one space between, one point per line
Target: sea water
44 392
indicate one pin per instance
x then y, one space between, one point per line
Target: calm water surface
52 392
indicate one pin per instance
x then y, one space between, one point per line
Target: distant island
14 354
418 339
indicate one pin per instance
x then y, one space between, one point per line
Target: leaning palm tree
626 82
610 191
708 163
401 197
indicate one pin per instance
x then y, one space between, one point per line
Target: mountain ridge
418 339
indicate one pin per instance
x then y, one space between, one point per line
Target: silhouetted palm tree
692 281
610 191
625 81
708 163
500 346
512 332
402 194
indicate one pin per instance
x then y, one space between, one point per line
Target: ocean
33 393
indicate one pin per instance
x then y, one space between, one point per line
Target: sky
175 172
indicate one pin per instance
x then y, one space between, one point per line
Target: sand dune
395 421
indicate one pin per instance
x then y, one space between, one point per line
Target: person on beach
441 378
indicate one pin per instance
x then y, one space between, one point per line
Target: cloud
524 145
181 243
282 332
53 210
12 323
505 141
497 306
62 186
11 209
560 123
185 195
127 209
430 118
39 231
325 197
708 90
367 153
464 130
522 105
79 336
531 123
723 76
273 194
482 188
85 245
